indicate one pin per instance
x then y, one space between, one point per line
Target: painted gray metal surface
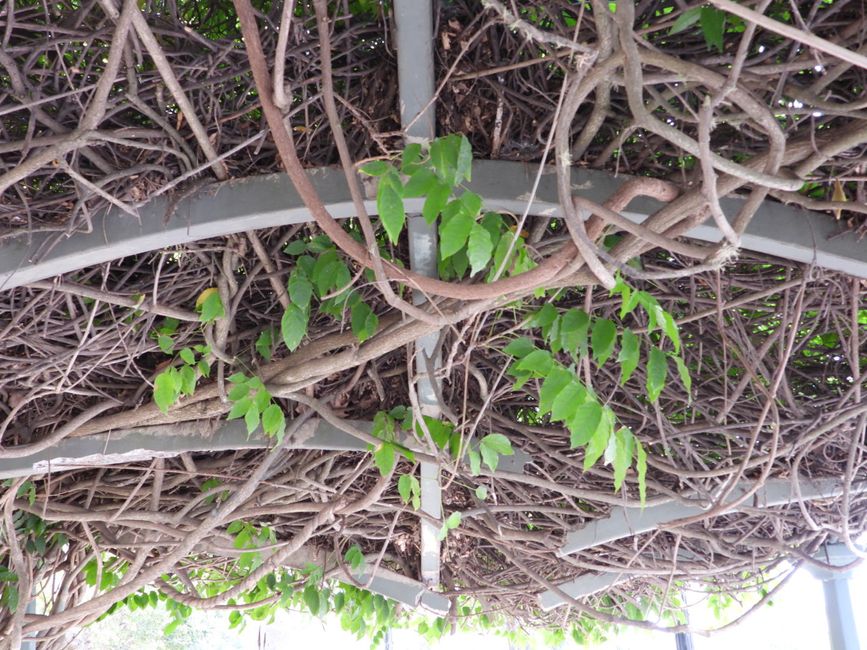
145 443
382 580
267 201
415 72
840 614
838 597
625 522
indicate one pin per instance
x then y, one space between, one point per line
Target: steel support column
415 71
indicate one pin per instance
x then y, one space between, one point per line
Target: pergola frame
267 201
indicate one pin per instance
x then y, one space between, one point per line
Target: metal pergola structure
252 203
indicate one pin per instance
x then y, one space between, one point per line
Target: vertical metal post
415 71
683 641
838 609
838 600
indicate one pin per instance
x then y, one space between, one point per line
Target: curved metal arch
267 201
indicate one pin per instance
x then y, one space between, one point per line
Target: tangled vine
704 367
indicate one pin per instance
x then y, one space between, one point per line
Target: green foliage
469 238
175 381
564 397
252 401
711 20
210 306
451 522
409 488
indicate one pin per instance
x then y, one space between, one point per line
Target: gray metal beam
415 72
776 492
383 581
267 201
146 443
838 599
626 522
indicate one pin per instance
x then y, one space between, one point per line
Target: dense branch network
114 105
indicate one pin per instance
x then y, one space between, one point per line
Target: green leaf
404 487
641 469
187 356
584 423
454 232
687 19
573 332
167 389
311 598
239 391
166 343
355 558
657 370
544 319
11 597
630 352
599 442
251 418
475 459
499 443
454 520
482 492
444 153
375 168
264 344
553 385
492 447
683 372
383 458
471 204
519 348
391 212
300 288
437 199
669 327
568 401
364 321
465 160
325 271
188 379
538 362
713 26
293 326
212 307
240 408
410 156
274 421
295 247
479 248
421 183
622 455
602 339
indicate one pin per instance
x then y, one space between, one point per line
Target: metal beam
415 72
626 522
267 201
383 581
166 441
838 599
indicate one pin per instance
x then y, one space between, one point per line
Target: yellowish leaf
204 296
